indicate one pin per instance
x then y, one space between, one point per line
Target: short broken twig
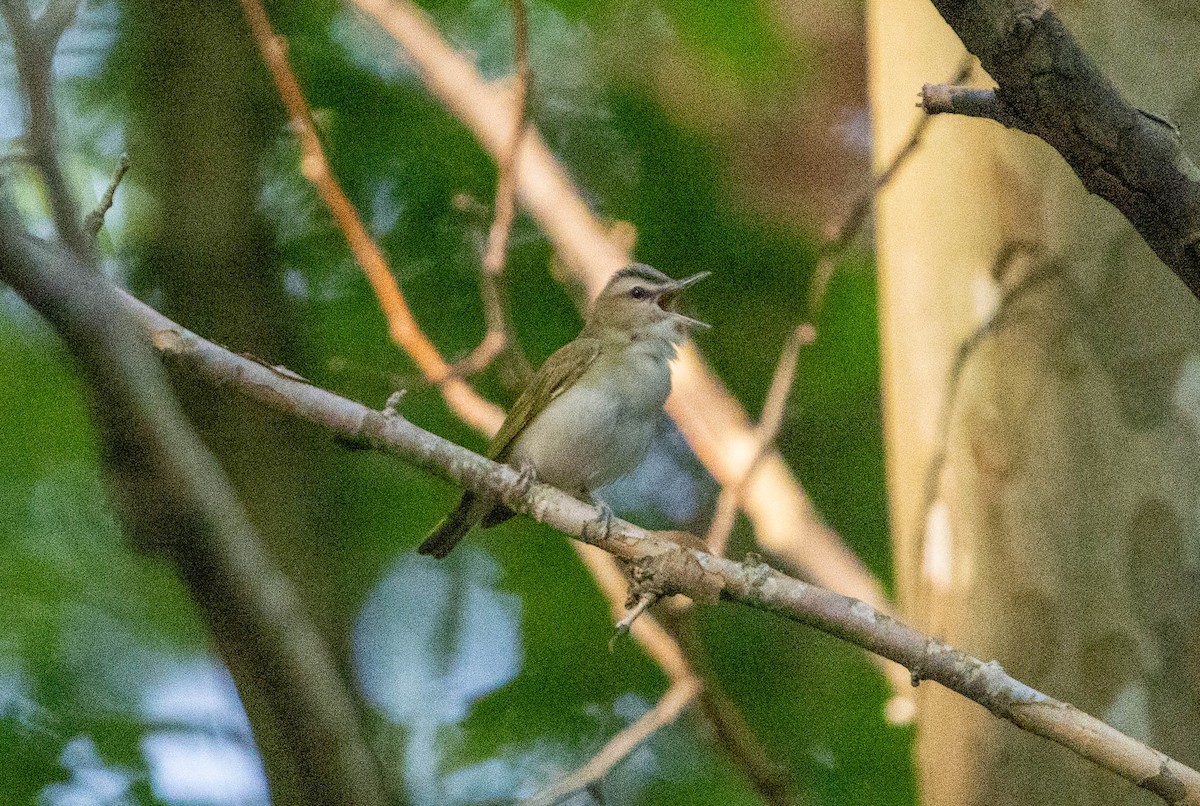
939 99
94 220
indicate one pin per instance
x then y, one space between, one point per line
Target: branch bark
174 500
34 43
691 572
1049 88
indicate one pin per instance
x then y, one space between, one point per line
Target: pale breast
600 428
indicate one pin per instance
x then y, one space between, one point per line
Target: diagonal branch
34 43
1049 88
765 432
678 696
174 500
402 325
500 337
678 569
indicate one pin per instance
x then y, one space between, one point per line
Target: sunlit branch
500 337
1048 87
402 325
709 417
680 693
678 569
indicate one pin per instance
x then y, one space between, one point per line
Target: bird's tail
454 527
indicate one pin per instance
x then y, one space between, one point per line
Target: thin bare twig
34 44
680 693
473 409
94 220
691 572
1001 317
852 224
500 337
764 434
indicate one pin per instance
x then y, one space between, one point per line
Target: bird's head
640 301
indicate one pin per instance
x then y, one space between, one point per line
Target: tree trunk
1042 407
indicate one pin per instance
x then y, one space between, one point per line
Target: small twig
1000 317
677 697
34 44
94 220
939 99
853 223
764 436
500 337
392 407
644 601
402 325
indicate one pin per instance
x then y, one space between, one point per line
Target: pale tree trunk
1061 535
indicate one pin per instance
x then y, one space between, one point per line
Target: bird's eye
637 292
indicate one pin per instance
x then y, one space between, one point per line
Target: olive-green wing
557 375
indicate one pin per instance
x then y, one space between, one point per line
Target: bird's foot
526 478
602 525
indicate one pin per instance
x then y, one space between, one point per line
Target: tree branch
691 572
403 328
710 418
618 747
1049 88
173 499
34 44
500 337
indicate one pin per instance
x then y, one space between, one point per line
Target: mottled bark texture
1059 534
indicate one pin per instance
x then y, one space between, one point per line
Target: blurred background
1041 503
730 136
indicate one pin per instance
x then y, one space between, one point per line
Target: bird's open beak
668 297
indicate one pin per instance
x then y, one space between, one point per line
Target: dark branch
173 500
1049 88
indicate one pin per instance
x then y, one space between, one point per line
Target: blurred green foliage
489 674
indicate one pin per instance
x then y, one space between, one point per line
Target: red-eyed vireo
588 415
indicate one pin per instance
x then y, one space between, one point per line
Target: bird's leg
603 521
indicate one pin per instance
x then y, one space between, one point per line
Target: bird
588 415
